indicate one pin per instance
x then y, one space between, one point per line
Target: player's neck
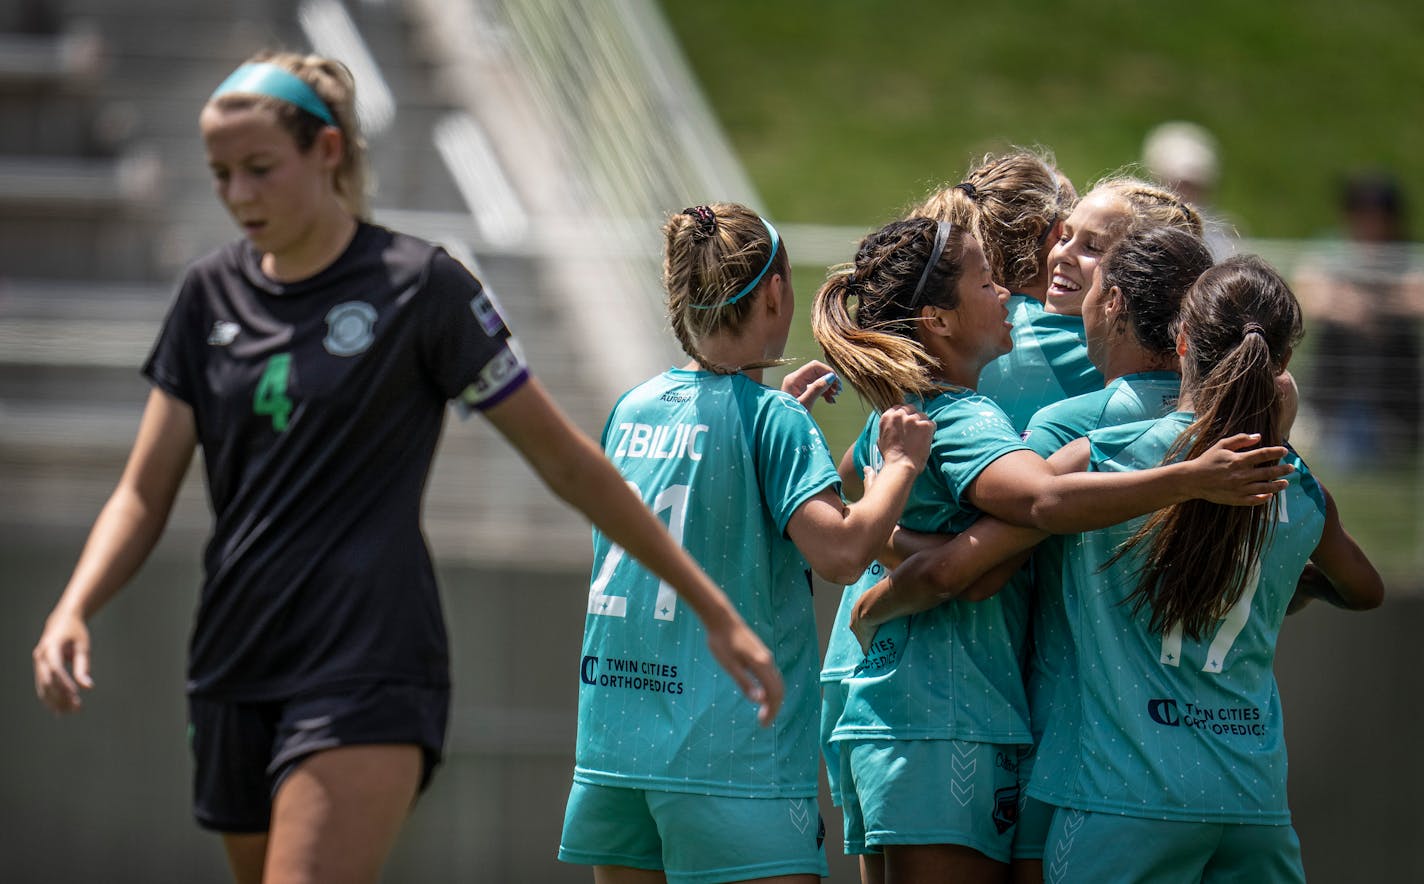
726 351
1133 359
313 252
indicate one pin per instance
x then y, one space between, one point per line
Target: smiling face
279 195
1096 224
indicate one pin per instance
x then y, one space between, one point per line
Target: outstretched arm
124 534
575 469
971 567
904 543
1054 496
1339 572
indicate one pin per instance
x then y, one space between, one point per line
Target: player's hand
906 433
1237 473
812 381
746 658
860 624
62 662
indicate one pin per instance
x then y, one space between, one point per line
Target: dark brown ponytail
1241 321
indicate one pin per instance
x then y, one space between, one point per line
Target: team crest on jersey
350 328
223 333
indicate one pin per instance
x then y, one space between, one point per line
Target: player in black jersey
312 362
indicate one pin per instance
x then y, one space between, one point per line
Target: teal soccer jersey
952 671
1135 397
842 650
726 462
1168 727
1128 399
1049 362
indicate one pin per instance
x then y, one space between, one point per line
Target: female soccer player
312 361
1128 314
1112 701
1109 210
1015 202
929 318
1019 203
1176 769
673 779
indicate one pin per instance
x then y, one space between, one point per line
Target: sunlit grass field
844 112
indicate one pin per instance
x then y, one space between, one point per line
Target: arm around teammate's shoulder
123 535
575 469
1057 497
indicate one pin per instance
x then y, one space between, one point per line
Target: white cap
1181 151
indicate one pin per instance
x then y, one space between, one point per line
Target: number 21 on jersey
672 500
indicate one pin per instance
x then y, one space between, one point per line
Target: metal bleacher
495 130
541 142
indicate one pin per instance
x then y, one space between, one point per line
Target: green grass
846 111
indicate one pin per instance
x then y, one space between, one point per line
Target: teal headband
770 259
264 78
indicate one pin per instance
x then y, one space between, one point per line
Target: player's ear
775 294
1115 304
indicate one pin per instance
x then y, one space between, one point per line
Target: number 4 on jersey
271 397
673 499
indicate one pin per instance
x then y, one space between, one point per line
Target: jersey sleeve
468 349
864 451
969 435
1110 448
172 365
792 461
1047 431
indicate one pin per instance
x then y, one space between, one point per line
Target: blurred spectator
1183 156
1363 300
41 17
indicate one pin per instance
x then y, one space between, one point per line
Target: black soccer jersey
318 407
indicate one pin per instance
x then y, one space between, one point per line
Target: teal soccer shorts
936 792
693 839
1108 848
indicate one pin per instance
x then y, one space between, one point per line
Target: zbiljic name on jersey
660 442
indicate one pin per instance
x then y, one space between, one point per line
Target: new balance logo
223 333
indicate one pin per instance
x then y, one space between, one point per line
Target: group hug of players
1076 529
1075 532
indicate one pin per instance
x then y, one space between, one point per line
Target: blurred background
543 142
